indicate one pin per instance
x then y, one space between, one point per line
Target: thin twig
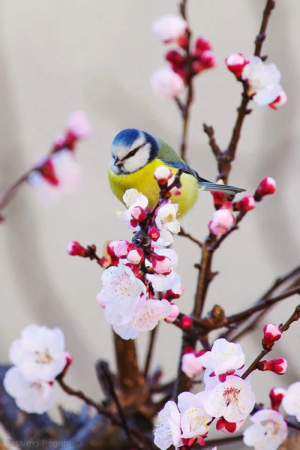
263 28
107 375
182 232
10 193
185 109
152 338
212 141
100 409
294 317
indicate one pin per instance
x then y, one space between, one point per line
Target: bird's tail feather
215 187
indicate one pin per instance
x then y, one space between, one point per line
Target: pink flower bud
135 256
222 220
119 249
267 187
190 365
75 249
277 365
69 358
166 83
271 334
276 396
79 125
174 314
245 204
186 322
175 57
138 213
198 66
208 59
153 233
161 264
48 172
235 63
104 262
279 101
162 174
201 45
169 28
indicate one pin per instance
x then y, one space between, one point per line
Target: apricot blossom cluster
184 62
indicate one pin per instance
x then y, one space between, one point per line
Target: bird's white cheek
137 161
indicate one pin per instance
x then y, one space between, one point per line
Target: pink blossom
271 334
161 264
190 365
267 187
222 220
224 356
291 400
247 203
132 198
162 283
30 396
79 125
167 430
233 400
135 256
174 313
148 313
268 432
166 83
279 101
276 396
59 175
137 213
263 80
236 63
169 28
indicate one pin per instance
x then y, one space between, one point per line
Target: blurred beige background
98 55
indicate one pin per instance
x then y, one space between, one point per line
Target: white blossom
162 283
121 289
167 430
233 400
149 312
291 400
194 418
165 83
167 223
268 432
126 331
132 198
169 28
263 80
39 353
30 396
223 357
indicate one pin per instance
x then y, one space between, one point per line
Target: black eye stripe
132 153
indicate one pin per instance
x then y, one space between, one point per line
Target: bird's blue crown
126 138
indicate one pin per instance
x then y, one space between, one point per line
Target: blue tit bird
135 155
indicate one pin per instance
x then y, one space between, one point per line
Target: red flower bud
104 262
188 350
161 264
208 59
186 322
201 45
236 63
75 249
277 365
267 187
276 396
219 198
153 233
271 334
175 57
245 204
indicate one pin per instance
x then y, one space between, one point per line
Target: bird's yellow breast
143 181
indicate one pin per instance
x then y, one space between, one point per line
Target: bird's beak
117 162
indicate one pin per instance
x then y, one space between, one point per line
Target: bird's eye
132 152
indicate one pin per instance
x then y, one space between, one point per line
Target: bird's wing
170 158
